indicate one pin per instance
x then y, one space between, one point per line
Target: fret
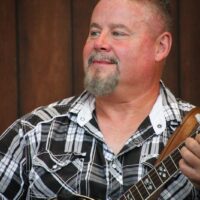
170 165
155 178
174 168
142 189
133 194
176 156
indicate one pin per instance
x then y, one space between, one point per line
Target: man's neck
118 118
126 103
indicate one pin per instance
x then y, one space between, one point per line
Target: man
104 141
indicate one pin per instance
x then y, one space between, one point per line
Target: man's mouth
107 62
102 59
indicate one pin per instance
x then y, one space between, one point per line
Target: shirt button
136 141
159 125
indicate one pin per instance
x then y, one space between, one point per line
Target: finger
190 172
193 145
198 138
190 158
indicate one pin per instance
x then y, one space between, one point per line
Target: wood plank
45 52
190 48
8 83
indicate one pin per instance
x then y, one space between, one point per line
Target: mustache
101 56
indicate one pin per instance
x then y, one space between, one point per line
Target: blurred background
41 53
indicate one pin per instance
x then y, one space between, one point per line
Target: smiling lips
107 62
102 59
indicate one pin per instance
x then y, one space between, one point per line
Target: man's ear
163 46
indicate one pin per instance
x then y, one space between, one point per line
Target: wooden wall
41 52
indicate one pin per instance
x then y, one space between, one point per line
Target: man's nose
102 42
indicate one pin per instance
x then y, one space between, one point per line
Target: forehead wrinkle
95 25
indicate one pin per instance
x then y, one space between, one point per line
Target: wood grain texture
189 50
171 75
8 68
45 52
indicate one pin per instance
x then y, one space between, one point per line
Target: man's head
127 44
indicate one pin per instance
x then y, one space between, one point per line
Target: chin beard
97 85
101 86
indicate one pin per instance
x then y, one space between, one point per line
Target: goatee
97 85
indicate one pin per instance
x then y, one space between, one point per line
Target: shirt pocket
51 172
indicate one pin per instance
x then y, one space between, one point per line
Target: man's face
120 49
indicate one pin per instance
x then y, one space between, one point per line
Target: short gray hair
163 7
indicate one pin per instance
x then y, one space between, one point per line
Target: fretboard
157 176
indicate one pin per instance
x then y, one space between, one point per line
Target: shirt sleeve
13 158
179 187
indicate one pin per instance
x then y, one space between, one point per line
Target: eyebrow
95 25
112 26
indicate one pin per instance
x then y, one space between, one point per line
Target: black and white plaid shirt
59 149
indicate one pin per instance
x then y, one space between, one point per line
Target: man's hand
190 162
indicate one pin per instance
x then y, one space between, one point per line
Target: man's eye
94 33
117 33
